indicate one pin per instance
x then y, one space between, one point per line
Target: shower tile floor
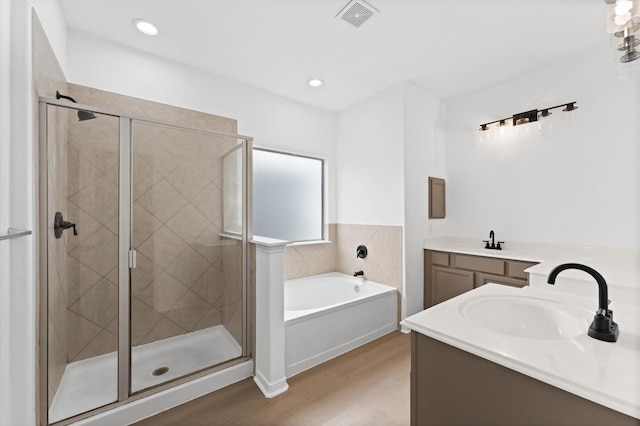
92 382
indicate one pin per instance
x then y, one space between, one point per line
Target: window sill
309 243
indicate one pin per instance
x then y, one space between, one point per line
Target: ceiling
444 46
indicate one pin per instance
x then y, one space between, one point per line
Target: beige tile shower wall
47 78
187 276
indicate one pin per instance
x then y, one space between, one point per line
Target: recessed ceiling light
315 82
145 27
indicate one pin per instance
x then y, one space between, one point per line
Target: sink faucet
493 244
603 327
358 273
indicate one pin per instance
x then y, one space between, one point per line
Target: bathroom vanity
448 274
507 356
511 353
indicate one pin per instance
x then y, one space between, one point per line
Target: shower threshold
92 382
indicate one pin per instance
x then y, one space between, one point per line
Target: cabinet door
448 283
482 279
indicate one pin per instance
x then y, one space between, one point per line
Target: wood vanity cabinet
447 275
452 387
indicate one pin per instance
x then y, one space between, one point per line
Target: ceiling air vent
356 12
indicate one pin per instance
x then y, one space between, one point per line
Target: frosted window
287 196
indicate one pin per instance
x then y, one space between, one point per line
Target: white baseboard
269 390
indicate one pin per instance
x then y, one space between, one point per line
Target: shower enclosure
143 256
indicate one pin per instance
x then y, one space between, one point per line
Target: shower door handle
59 225
133 258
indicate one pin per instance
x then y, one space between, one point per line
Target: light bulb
622 19
623 7
315 82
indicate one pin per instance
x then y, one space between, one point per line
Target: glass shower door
187 285
79 168
141 281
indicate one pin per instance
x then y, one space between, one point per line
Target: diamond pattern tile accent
208 244
79 173
104 342
163 330
81 332
144 272
162 201
187 179
79 280
208 202
211 165
99 251
99 305
163 293
144 224
211 318
188 223
144 177
163 247
188 267
188 311
210 285
99 199
143 319
85 224
163 154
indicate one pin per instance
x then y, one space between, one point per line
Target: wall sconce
529 116
623 22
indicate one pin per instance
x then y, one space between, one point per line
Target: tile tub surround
383 263
602 372
619 266
186 274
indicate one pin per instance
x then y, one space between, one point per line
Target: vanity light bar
529 116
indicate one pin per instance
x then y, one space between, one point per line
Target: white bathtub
329 314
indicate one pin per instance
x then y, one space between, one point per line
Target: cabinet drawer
481 264
439 258
516 269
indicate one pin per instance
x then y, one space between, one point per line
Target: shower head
82 114
85 115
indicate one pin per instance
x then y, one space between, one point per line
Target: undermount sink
527 318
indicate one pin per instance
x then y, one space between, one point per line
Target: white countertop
620 267
602 372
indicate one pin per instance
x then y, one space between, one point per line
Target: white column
269 356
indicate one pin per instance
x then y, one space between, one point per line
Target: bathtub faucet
358 273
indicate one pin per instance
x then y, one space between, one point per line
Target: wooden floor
367 386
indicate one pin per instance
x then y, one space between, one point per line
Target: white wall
424 151
272 121
17 257
577 183
370 156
